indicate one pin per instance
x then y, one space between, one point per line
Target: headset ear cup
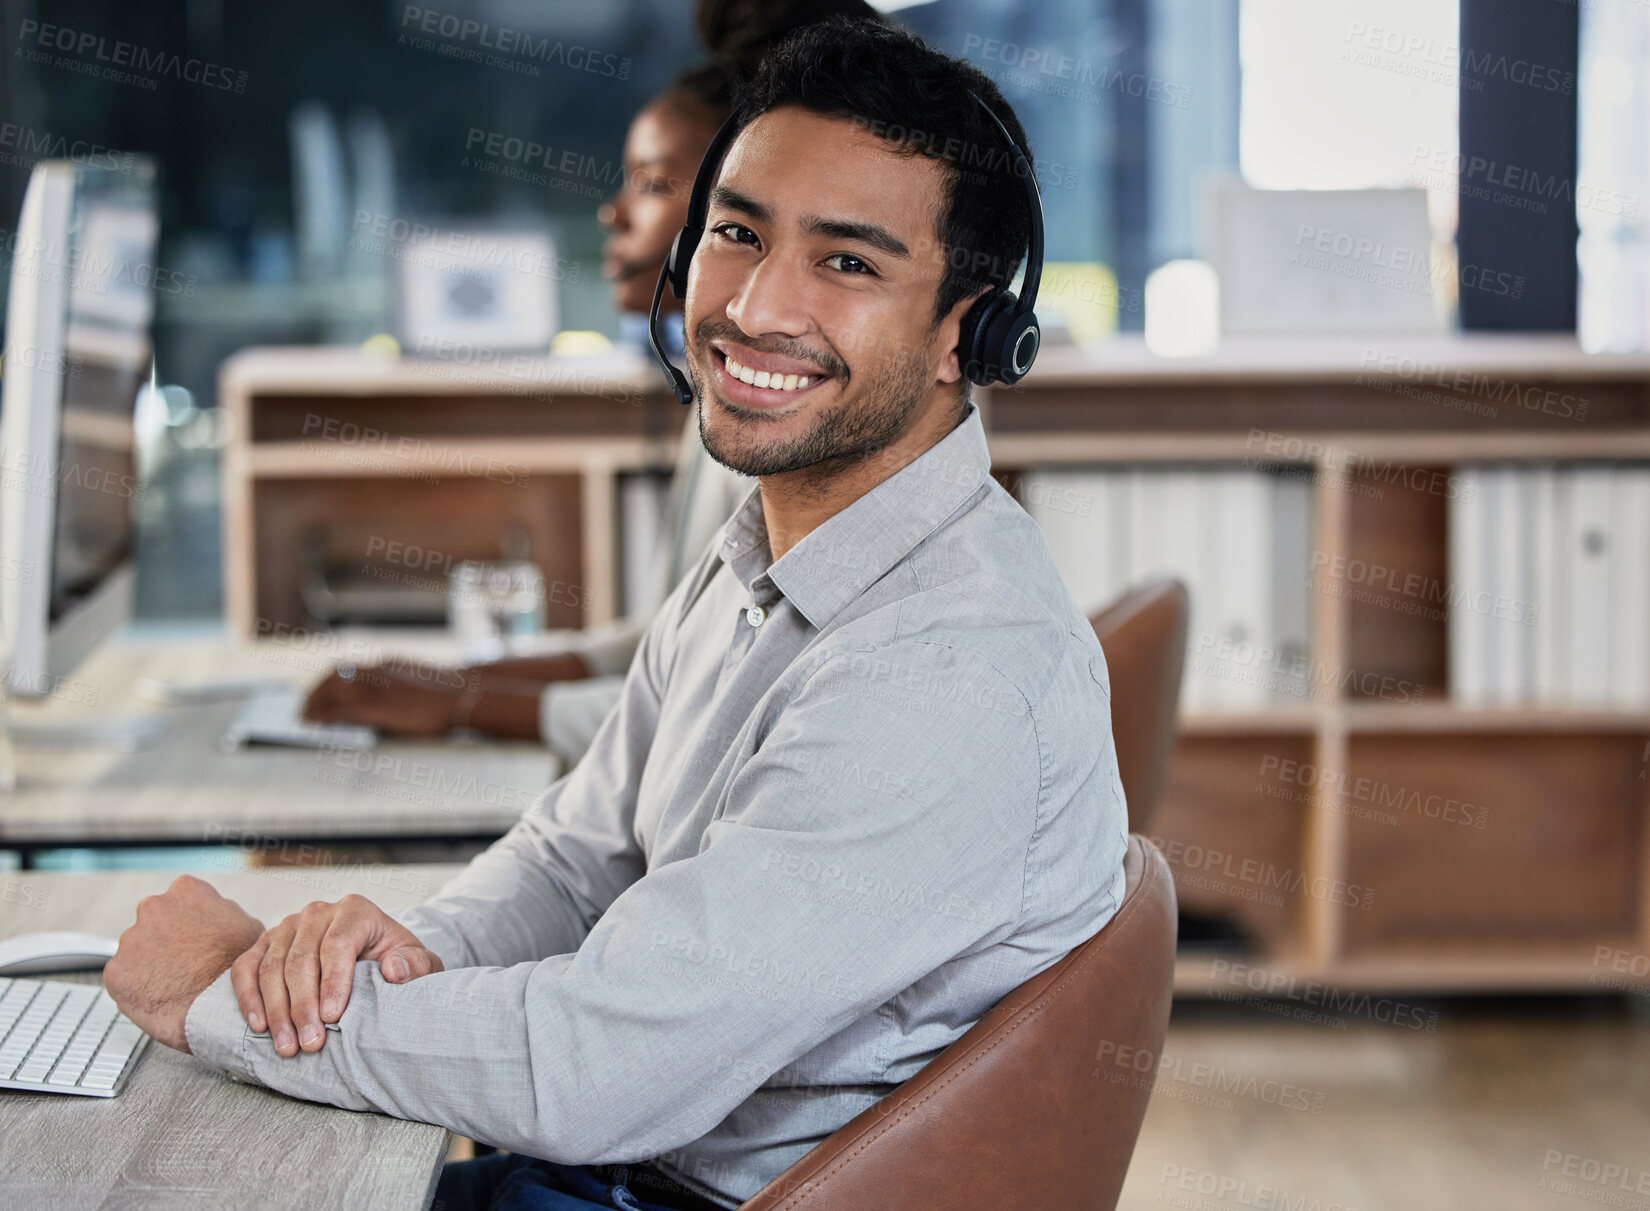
1022 337
998 336
972 337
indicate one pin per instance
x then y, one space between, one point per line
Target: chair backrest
1143 634
1039 1104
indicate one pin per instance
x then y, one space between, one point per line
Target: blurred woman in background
562 696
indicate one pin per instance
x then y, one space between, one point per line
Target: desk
185 791
182 1135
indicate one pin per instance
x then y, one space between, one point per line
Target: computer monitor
77 351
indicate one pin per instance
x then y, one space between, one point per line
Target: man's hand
298 974
181 942
419 701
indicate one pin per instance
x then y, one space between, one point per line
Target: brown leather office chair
1143 634
1038 1105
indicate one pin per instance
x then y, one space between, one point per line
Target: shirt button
756 615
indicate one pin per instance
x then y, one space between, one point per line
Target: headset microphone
678 381
999 336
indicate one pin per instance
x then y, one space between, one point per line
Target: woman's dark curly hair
738 33
917 100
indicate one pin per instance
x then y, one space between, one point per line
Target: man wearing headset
860 783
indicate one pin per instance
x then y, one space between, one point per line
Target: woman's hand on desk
298 974
499 699
392 698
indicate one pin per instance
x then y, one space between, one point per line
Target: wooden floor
1512 1105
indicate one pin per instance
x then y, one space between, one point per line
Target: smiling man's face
816 278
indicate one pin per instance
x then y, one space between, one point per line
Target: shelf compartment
1467 840
1394 577
429 524
1231 825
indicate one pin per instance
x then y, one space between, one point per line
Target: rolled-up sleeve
881 828
537 891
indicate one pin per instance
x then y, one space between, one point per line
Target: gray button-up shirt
814 842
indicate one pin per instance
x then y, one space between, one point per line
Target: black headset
998 338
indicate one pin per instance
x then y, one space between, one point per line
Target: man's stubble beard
842 434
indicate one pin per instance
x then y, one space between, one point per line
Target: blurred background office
1347 330
290 137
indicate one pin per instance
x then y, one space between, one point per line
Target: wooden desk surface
181 1135
185 790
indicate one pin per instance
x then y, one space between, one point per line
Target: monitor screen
109 264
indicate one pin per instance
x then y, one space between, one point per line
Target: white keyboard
57 1037
277 717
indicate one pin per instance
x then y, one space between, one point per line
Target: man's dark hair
916 99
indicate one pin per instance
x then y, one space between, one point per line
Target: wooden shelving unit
1561 865
357 451
1402 843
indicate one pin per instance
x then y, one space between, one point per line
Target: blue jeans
509 1182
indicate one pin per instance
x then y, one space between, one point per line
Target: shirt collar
850 551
